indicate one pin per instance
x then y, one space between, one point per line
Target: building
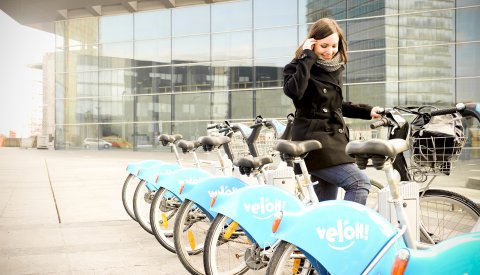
128 71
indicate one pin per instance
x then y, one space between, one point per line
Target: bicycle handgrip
381 122
212 127
444 111
256 125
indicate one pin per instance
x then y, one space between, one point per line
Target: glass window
273 103
192 78
270 13
116 109
72 136
241 105
116 82
153 108
78 110
426 62
60 88
116 28
82 58
310 11
82 31
466 3
87 84
468 21
223 19
60 33
190 130
366 66
191 49
427 28
269 72
467 89
220 105
275 42
432 92
192 106
378 94
232 75
357 9
60 60
116 55
236 45
415 6
120 135
366 34
146 134
153 52
152 24
153 80
191 20
468 59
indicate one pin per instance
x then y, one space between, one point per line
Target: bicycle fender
134 168
458 255
343 236
156 172
254 207
203 192
175 179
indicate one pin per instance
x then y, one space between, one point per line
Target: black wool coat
317 96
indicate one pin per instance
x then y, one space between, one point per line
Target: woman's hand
376 111
309 44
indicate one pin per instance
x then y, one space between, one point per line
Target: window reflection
270 13
83 58
269 72
467 89
191 49
275 42
87 84
116 55
241 105
190 130
312 10
145 136
366 66
152 80
116 109
116 82
192 106
219 106
467 21
192 78
232 75
273 104
116 28
381 94
152 52
426 28
366 34
426 62
191 20
440 93
237 45
468 59
153 108
152 24
223 19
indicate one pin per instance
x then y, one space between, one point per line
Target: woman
313 80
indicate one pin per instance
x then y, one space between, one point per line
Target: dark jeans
347 176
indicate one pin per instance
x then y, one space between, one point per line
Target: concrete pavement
61 213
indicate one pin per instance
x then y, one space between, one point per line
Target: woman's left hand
375 112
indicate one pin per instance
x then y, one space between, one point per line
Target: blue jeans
347 176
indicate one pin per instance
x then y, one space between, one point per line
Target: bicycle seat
210 142
297 148
376 149
166 139
188 146
249 163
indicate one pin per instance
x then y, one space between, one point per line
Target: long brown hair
322 28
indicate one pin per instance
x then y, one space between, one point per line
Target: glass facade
127 78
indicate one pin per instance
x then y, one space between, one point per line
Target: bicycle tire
282 261
127 195
215 241
141 206
163 212
445 214
189 234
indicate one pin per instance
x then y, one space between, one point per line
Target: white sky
19 47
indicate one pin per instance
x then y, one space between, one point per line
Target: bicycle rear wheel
189 233
142 199
445 214
287 259
163 213
128 190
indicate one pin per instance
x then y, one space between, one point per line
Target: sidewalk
61 213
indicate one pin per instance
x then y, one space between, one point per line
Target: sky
19 47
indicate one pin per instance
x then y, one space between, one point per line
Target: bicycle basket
436 142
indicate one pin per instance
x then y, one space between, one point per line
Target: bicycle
327 242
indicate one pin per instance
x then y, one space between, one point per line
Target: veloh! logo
221 190
344 235
265 208
190 180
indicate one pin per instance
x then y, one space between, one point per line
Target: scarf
330 65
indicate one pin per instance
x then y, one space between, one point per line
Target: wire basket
435 155
363 134
266 141
238 146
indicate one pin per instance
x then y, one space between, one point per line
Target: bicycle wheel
163 213
224 253
128 191
189 233
445 214
372 199
142 199
287 259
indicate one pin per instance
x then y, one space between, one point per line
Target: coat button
340 131
302 56
325 110
324 91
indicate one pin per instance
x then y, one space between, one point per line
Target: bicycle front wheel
142 199
128 191
445 214
163 213
225 247
189 233
287 259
